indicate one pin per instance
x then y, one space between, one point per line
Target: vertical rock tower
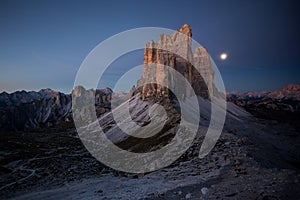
176 52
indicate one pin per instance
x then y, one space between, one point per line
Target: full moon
223 56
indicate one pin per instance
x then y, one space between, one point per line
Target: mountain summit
175 51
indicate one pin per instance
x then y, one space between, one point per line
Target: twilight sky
43 43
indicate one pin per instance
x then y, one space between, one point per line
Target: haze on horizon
43 43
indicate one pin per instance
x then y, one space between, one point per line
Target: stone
204 190
188 196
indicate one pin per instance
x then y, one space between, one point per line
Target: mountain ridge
290 91
38 106
23 110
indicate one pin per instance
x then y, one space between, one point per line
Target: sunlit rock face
175 52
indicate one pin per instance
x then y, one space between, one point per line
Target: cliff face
176 52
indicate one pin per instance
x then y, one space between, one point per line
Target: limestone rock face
203 64
175 52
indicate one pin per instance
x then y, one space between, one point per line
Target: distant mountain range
23 110
282 105
289 92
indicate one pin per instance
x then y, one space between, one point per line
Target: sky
43 43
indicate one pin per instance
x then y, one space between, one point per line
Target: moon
223 56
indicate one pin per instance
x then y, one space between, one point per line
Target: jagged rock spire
176 52
186 29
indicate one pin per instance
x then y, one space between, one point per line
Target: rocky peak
48 93
107 91
47 90
176 52
78 91
186 29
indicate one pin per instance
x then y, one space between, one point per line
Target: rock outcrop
83 104
175 52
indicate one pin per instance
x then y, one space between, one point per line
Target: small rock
179 192
227 143
204 190
188 196
243 141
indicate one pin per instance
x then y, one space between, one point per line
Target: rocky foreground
253 159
